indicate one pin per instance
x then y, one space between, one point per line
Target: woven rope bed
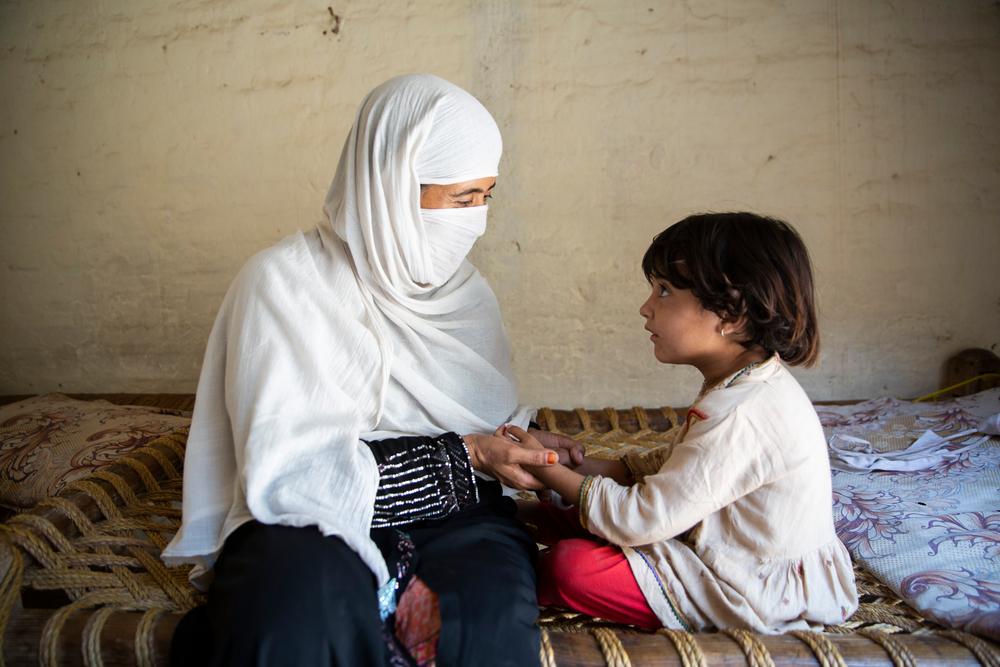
82 582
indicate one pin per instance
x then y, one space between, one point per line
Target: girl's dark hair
744 264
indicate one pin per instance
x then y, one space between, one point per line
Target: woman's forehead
476 186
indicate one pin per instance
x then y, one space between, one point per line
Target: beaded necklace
726 384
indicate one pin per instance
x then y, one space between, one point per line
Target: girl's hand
502 458
570 451
562 480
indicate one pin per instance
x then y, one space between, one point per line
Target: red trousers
581 573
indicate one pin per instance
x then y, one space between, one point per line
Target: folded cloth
849 453
991 425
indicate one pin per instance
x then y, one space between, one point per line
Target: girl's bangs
667 259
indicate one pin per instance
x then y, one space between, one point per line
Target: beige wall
148 147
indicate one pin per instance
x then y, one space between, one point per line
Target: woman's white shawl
335 336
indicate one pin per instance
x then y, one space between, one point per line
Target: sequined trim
666 593
731 380
422 478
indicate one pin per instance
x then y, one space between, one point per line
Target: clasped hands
506 459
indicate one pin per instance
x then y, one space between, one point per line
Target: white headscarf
411 130
352 332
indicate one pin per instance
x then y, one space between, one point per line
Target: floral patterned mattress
932 535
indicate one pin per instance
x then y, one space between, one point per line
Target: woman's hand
570 451
559 478
616 470
502 458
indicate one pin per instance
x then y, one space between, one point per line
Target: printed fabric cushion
48 441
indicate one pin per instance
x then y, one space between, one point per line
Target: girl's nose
645 310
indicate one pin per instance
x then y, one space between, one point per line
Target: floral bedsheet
932 535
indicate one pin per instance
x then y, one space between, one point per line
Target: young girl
730 526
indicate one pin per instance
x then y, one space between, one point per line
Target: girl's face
683 332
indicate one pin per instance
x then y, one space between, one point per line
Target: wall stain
335 21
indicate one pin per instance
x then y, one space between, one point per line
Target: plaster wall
147 148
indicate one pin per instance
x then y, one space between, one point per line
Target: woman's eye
464 203
664 291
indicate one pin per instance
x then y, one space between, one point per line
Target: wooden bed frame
81 581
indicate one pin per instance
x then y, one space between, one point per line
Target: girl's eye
664 290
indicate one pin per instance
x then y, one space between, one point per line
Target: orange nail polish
553 458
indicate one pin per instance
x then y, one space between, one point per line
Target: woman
341 367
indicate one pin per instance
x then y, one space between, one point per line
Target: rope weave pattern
898 653
98 543
611 648
144 637
987 655
92 637
110 562
10 585
687 648
617 439
548 658
753 648
826 653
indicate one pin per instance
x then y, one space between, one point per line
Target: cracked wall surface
148 148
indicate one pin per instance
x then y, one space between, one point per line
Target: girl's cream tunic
732 526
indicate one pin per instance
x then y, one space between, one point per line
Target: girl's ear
735 327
